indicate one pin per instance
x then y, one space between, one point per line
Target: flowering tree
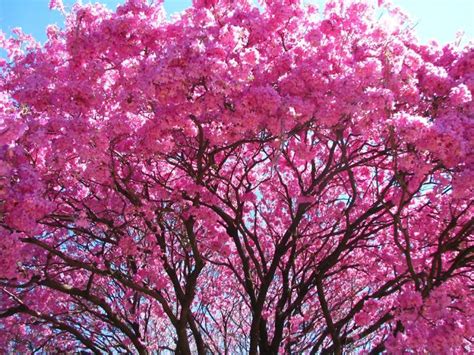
236 180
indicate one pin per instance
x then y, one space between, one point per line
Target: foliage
236 179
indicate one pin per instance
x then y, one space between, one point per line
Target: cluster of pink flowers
236 179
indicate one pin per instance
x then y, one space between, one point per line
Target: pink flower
460 95
362 318
56 5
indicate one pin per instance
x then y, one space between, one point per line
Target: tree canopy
236 179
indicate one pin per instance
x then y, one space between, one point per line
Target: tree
236 180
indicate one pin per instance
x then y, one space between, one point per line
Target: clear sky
437 19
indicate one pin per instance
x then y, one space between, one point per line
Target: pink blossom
460 95
56 5
235 179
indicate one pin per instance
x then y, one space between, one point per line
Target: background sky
437 19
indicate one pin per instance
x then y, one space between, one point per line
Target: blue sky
437 19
